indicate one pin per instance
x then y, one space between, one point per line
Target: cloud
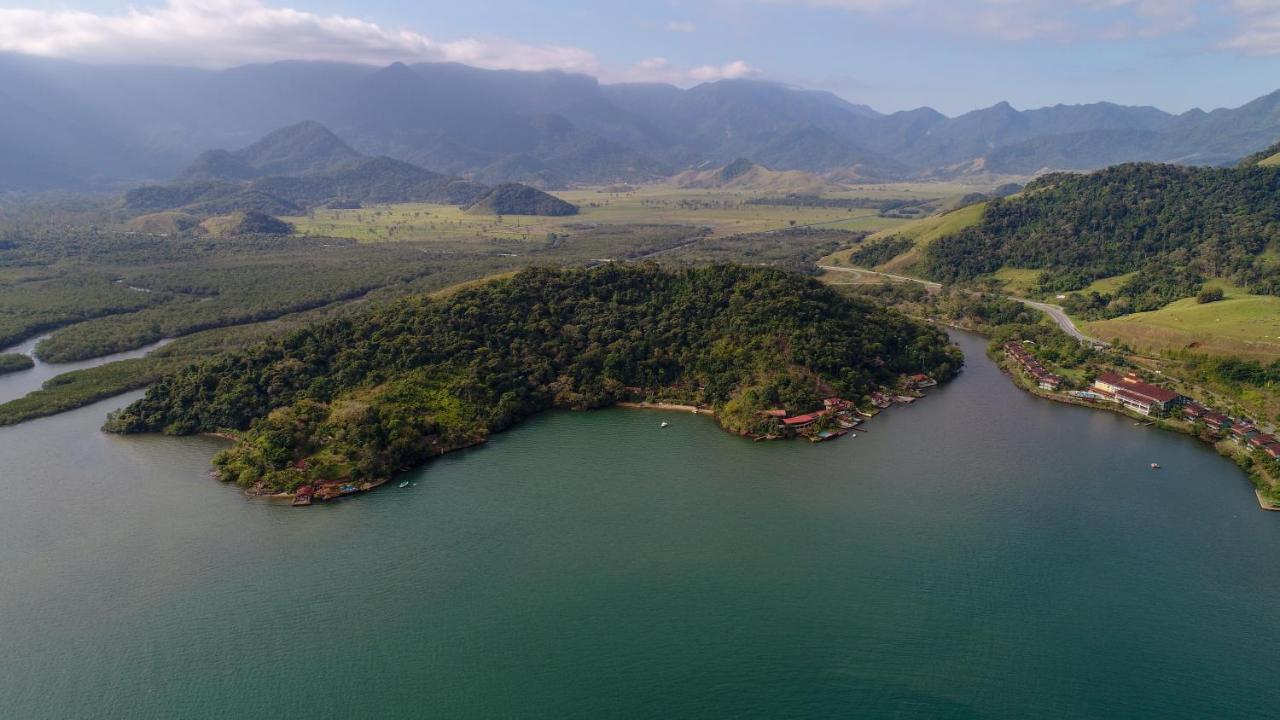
1026 20
682 26
1258 31
220 33
658 69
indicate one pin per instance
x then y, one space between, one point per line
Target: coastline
666 406
1224 448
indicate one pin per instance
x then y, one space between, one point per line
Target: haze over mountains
66 125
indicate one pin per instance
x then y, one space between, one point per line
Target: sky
952 55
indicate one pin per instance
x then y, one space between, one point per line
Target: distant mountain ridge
306 165
69 125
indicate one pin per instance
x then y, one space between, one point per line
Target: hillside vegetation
361 399
742 174
1171 226
517 199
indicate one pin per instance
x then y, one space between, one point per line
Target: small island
342 406
15 362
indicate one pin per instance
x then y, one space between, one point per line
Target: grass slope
1242 324
921 232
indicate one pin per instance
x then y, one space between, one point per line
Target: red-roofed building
1261 441
1131 392
802 421
1272 450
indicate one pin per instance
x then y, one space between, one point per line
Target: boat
664 424
404 484
1155 466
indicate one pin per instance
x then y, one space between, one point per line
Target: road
1055 312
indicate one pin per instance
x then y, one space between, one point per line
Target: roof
802 419
1134 385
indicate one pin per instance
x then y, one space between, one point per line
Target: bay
980 554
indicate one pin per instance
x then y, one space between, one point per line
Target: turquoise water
981 554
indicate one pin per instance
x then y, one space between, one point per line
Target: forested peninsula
357 399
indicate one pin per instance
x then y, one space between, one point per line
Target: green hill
1166 228
359 399
517 199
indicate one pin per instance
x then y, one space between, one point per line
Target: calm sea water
981 554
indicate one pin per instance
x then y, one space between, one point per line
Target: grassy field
1242 324
1105 286
726 212
1018 281
921 233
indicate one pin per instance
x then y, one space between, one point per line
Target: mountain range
305 165
69 125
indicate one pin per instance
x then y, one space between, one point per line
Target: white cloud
658 69
220 33
1259 27
1025 20
682 26
223 33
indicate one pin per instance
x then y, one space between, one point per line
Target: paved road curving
1055 312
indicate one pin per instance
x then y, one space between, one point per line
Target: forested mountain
68 125
358 400
1172 225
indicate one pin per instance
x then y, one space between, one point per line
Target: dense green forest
13 362
360 398
1174 225
881 251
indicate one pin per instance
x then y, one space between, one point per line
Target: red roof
802 419
1131 383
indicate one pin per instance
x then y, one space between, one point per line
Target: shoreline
1159 423
666 406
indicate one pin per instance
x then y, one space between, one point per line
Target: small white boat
1155 466
664 424
404 484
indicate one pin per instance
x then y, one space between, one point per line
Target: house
1049 381
1216 422
1243 431
1134 394
802 421
1194 411
920 380
835 403
1273 451
1260 441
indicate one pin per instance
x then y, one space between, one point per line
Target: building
1260 441
1134 394
920 381
1217 422
1044 379
802 421
1194 411
1273 451
1242 432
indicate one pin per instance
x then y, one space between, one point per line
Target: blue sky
891 54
